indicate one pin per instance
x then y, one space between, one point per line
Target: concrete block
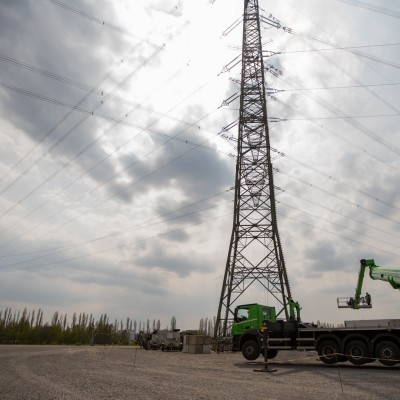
206 349
195 348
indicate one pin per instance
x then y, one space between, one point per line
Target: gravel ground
111 372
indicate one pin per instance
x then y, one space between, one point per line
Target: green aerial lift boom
375 272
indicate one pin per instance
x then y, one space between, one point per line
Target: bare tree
173 323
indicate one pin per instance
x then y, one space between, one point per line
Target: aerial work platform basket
348 302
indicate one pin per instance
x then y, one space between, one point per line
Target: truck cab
246 336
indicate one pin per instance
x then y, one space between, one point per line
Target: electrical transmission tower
255 252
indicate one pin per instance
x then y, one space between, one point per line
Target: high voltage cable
129 166
137 241
143 129
335 234
72 107
101 22
88 112
54 76
141 225
336 47
340 225
85 173
350 121
376 138
341 69
347 217
335 179
340 198
107 181
372 7
359 127
146 223
352 77
172 231
340 117
339 48
345 139
351 187
81 152
59 78
342 87
161 167
374 60
349 49
152 222
62 137
343 183
88 88
167 233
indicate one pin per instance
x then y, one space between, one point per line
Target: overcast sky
115 181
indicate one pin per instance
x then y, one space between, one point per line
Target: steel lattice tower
255 252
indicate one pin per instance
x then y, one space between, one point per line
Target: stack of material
197 344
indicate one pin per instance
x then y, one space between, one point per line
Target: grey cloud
180 263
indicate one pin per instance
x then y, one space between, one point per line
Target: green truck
359 342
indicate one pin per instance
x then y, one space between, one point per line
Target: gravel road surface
111 372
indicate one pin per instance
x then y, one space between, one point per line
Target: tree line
28 327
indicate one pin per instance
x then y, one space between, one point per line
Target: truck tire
357 352
387 353
250 350
327 351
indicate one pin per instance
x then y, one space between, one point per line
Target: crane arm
363 265
388 275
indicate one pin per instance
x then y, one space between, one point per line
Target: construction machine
161 339
375 272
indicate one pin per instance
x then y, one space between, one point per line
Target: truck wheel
250 350
386 352
357 352
327 351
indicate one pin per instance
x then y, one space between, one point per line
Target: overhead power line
341 226
349 49
340 117
72 108
102 22
350 239
343 87
154 221
106 250
339 48
372 7
350 121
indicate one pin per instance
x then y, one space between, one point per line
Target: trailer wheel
357 352
250 350
327 351
388 353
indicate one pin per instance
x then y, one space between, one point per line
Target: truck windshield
242 314
266 313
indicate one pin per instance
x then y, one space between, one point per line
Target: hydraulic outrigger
375 272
